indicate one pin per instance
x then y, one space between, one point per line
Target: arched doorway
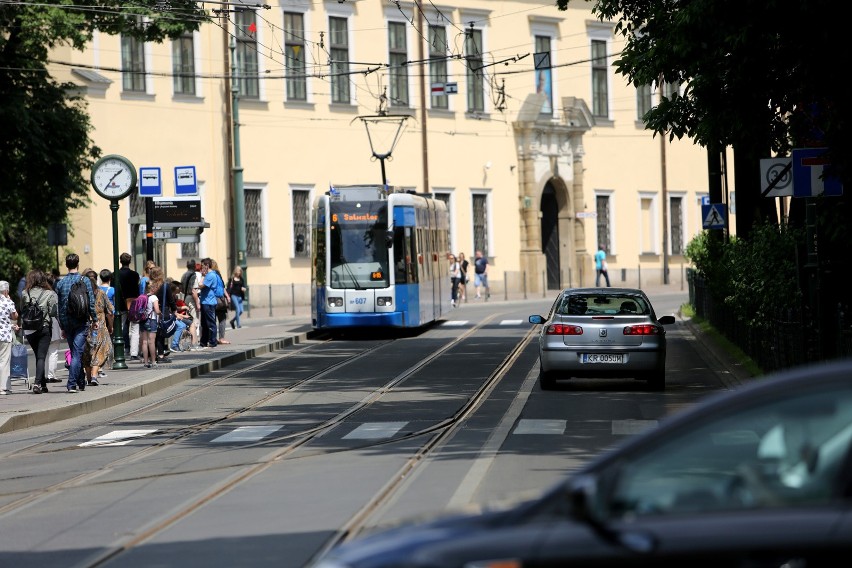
550 236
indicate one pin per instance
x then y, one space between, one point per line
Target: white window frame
610 195
264 218
489 218
601 31
450 192
541 26
344 10
655 222
682 195
310 188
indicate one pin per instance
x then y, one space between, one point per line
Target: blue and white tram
379 258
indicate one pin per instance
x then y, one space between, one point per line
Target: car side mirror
536 319
666 320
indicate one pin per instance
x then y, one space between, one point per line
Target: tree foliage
756 72
44 125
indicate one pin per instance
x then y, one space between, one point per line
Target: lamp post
239 193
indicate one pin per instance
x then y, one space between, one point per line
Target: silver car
602 332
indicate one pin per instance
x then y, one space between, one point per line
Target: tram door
550 237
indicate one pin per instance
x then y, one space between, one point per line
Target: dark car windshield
603 304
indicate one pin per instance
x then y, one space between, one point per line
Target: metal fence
791 338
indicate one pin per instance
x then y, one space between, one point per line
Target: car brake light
561 329
644 329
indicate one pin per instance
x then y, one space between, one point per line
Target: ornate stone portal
550 158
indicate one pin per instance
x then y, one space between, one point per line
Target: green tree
758 75
44 125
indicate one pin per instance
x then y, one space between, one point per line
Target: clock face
113 177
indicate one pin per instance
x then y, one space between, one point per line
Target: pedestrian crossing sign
713 215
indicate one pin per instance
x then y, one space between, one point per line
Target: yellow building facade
510 111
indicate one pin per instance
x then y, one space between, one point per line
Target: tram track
294 440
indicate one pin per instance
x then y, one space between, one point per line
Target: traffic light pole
239 193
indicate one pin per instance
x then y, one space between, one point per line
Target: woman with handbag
223 301
40 292
98 350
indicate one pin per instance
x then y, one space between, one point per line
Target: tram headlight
384 301
335 302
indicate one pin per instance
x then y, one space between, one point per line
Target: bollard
270 299
293 298
544 284
525 285
569 277
639 276
505 286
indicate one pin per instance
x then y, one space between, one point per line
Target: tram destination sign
183 212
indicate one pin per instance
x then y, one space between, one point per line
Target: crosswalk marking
455 322
530 426
631 427
375 430
511 322
246 434
117 438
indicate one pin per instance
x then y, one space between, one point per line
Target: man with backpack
76 310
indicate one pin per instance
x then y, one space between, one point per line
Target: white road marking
246 434
375 430
117 438
511 322
631 427
529 426
456 322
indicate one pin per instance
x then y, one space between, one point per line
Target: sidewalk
21 409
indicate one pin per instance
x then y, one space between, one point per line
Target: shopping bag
20 359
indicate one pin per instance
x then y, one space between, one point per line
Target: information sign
149 182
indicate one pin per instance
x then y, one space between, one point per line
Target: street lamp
383 132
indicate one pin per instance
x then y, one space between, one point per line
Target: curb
133 392
731 373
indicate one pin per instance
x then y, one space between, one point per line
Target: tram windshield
358 257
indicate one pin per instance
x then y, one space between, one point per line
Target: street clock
113 177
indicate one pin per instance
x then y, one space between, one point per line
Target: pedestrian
207 297
98 350
40 292
8 327
75 330
193 304
480 274
106 286
146 276
237 291
221 307
463 264
150 326
128 280
601 267
55 332
455 275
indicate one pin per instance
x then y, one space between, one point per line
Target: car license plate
617 358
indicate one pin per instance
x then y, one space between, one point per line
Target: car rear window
603 304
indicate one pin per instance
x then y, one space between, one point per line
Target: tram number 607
359 301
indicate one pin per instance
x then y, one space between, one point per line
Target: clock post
118 361
114 178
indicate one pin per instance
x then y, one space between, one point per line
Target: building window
600 90
189 250
643 100
475 74
301 216
670 89
339 46
254 223
398 57
604 222
133 62
480 223
543 78
294 53
247 78
445 197
183 64
676 219
438 50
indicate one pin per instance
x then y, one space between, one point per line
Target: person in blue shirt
207 293
106 285
601 268
74 330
